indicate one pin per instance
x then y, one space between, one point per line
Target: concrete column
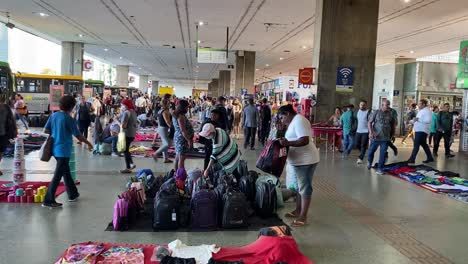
72 58
224 83
214 88
345 35
143 83
154 87
122 75
245 71
210 89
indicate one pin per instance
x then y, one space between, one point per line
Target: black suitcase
234 210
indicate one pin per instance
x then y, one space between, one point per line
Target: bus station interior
396 50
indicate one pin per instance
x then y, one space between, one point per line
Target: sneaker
410 161
449 156
359 161
379 172
114 154
428 161
74 199
369 166
52 205
133 166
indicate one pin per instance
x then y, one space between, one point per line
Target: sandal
291 215
297 223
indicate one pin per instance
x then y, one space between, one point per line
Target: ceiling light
139 68
106 49
256 69
80 35
412 51
281 58
267 65
304 47
407 1
120 57
41 14
201 23
124 42
199 41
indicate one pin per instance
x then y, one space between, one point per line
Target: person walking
237 109
221 105
444 130
83 116
250 123
183 136
362 130
129 123
380 125
164 124
409 126
421 124
265 121
303 157
8 129
21 111
347 120
62 127
433 129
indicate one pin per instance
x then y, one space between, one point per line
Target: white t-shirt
305 155
425 118
202 253
362 121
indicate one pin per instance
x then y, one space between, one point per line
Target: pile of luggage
191 200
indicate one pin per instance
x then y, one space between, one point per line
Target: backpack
265 199
134 206
234 210
120 219
204 206
273 158
105 149
277 183
242 168
247 187
184 212
166 210
169 175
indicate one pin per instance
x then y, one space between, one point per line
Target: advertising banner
462 75
88 65
56 92
344 79
197 93
88 92
306 76
166 90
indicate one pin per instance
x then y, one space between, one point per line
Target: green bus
6 80
97 85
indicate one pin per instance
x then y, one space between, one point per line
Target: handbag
45 153
273 158
121 141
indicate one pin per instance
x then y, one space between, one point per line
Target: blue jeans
347 144
304 175
420 140
383 144
111 140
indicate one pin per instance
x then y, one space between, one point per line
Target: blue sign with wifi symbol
345 79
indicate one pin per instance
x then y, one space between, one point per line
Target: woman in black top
164 124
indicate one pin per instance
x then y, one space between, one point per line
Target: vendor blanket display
144 223
147 152
146 136
6 187
265 250
32 142
429 178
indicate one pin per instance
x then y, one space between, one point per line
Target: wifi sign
345 79
346 72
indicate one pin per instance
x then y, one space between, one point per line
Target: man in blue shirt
62 127
348 123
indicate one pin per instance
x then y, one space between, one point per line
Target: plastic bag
121 142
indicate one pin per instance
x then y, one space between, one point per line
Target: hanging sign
462 75
88 92
306 76
344 79
208 55
166 90
55 94
88 65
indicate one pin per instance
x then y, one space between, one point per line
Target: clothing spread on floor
202 253
81 254
123 255
174 260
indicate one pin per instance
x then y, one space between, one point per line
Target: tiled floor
356 215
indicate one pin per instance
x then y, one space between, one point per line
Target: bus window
20 86
3 84
33 86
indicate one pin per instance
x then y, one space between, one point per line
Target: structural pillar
122 75
72 58
214 88
210 90
245 71
345 36
154 87
224 84
143 83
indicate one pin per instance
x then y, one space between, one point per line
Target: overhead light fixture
131 63
106 49
124 42
120 57
199 41
201 23
80 35
304 47
139 68
407 1
256 69
267 65
41 14
412 51
281 58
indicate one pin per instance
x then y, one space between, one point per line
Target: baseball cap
207 130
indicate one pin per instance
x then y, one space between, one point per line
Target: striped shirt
225 151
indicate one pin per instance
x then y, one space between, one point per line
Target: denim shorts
304 175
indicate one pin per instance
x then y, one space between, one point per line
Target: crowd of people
378 128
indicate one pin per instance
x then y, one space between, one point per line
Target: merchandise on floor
274 245
426 177
27 192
